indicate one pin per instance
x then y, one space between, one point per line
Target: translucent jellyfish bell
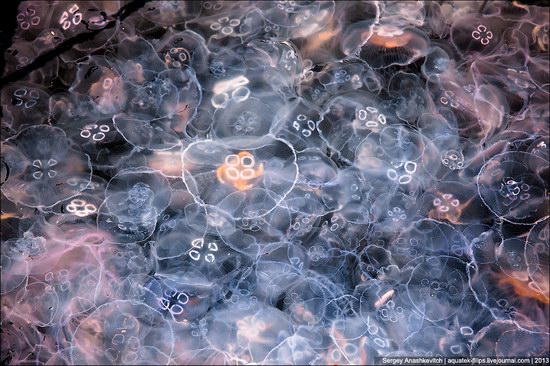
297 124
473 33
512 186
389 45
247 177
143 192
169 13
135 198
347 118
444 157
410 96
135 332
41 162
23 105
437 287
180 49
251 117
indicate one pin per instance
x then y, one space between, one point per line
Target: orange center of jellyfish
239 170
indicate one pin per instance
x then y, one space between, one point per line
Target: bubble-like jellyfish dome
274 182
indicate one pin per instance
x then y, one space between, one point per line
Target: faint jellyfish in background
454 202
347 118
409 93
437 287
437 61
536 255
297 123
180 49
135 199
506 338
511 185
40 162
123 331
169 13
448 157
23 105
250 117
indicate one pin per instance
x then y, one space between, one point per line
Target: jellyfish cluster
274 182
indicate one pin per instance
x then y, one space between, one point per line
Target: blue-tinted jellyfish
409 95
315 171
297 123
248 177
506 338
453 202
123 331
135 198
339 78
186 294
437 287
393 211
158 134
253 236
437 61
288 182
277 65
40 163
170 93
449 157
226 27
393 157
250 117
427 237
347 118
513 188
16 263
247 334
435 125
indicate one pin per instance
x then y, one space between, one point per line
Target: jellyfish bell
388 45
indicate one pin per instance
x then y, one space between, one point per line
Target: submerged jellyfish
40 163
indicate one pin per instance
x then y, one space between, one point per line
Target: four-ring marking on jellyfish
74 14
28 18
371 117
198 245
174 301
97 136
81 208
240 170
44 167
482 34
